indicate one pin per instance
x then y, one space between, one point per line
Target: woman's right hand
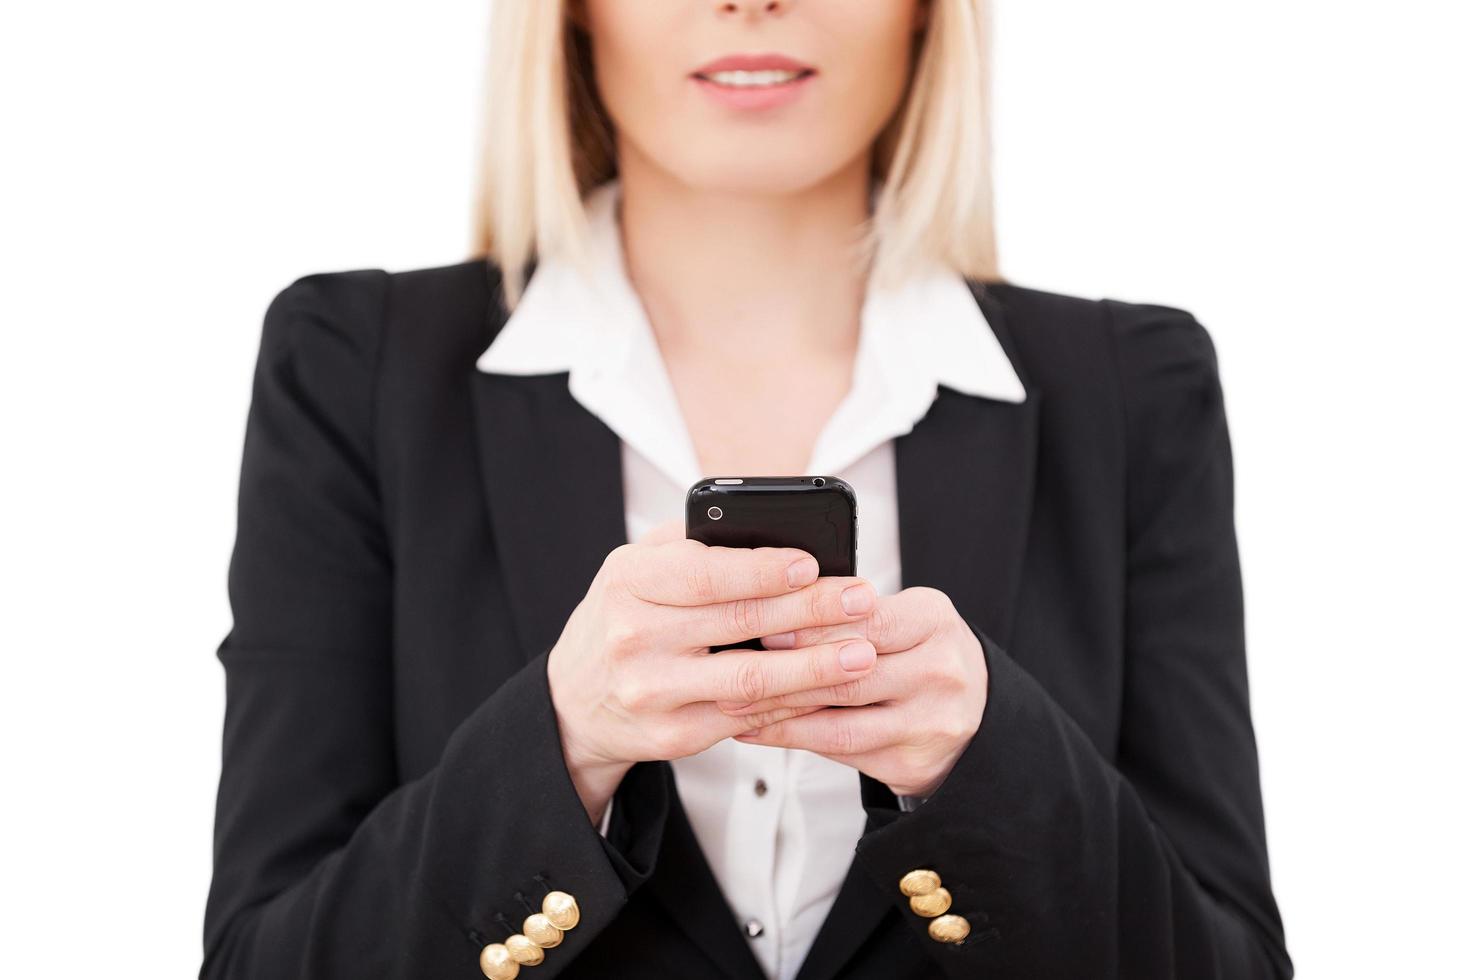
631 676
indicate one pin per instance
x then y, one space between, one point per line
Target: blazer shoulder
1038 308
468 284
1141 337
439 319
368 309
356 290
340 308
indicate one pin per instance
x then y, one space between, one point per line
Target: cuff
509 823
909 803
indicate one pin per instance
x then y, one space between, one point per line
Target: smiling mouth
762 78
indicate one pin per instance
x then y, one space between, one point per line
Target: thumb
671 530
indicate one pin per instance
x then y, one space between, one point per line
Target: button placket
754 816
788 876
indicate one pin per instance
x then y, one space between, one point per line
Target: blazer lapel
964 484
964 480
552 482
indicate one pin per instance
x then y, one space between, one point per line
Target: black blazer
413 534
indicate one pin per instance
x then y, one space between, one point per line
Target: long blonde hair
548 140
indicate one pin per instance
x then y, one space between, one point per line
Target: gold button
539 928
921 881
497 964
931 904
561 909
523 950
949 929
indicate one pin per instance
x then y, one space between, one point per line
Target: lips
754 62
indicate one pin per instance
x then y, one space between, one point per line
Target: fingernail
856 656
857 599
802 572
780 641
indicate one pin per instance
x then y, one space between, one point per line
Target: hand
921 705
632 677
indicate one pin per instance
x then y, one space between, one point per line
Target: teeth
752 79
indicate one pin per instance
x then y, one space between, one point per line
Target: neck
729 271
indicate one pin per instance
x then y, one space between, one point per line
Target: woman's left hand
907 721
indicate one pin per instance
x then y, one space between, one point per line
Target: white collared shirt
778 826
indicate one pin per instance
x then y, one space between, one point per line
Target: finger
898 622
671 530
742 676
893 677
832 599
836 731
816 634
688 573
705 716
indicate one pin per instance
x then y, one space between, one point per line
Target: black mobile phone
819 514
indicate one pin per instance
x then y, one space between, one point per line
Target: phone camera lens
714 513
818 481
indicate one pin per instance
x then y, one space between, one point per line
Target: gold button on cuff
561 909
523 950
539 928
921 881
497 964
949 929
931 904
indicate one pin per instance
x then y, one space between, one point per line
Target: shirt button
754 928
760 788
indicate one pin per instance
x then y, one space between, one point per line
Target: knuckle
632 692
849 692
625 637
747 616
620 569
669 741
700 581
955 670
619 560
934 672
927 593
954 730
823 604
938 607
750 681
769 576
821 665
840 738
882 622
764 718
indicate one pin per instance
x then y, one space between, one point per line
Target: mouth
753 71
754 81
738 78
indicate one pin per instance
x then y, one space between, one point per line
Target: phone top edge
725 484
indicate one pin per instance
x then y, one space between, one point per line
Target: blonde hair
548 140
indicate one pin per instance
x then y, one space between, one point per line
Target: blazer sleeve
326 865
1064 863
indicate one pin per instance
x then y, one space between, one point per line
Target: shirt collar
928 331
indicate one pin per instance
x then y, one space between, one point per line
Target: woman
472 722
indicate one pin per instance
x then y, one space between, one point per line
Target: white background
1295 173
